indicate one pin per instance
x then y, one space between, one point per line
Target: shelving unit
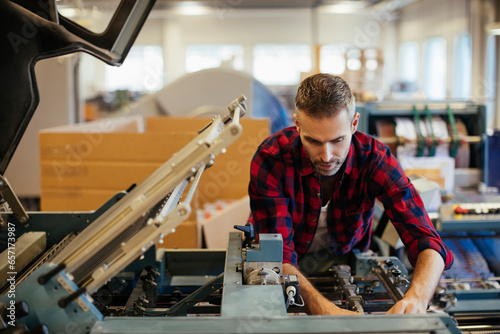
472 115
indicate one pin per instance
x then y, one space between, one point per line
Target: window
371 56
354 59
489 80
408 63
142 71
332 59
462 67
281 64
434 69
491 45
200 57
371 64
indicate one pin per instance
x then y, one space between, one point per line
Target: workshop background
99 129
425 75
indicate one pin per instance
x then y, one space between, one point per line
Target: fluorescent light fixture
343 7
192 8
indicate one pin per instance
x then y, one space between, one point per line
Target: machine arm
34 30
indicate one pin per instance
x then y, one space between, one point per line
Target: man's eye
338 140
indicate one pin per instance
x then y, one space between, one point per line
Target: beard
328 169
331 167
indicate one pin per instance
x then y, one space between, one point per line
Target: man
319 180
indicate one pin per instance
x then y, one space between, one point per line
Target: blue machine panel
43 303
271 249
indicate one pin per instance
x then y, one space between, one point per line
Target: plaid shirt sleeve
268 203
406 209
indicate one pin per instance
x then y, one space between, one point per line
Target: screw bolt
395 272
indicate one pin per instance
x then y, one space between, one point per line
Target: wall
57 107
92 70
251 27
418 21
245 27
426 19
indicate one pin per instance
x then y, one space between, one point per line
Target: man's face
326 140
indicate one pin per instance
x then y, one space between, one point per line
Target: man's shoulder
367 143
282 142
368 151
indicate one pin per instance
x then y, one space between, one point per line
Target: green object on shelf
434 142
420 138
455 143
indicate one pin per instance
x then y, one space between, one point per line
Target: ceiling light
192 8
343 7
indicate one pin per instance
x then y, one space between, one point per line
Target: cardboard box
440 169
71 149
106 157
186 235
84 165
74 199
228 178
95 174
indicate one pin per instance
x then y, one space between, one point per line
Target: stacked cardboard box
84 165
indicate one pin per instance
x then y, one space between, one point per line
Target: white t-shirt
321 238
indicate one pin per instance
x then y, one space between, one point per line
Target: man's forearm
312 297
428 270
315 302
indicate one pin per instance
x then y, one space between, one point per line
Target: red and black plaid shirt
285 197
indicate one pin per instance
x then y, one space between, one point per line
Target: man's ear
296 119
355 122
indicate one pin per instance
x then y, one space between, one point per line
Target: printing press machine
100 272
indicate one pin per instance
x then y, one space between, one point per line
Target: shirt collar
349 161
307 167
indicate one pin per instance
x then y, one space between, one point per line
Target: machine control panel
469 210
469 217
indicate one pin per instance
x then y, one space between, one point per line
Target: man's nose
326 153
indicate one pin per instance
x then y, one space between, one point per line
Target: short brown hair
324 95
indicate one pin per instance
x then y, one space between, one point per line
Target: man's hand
314 301
326 307
408 305
428 270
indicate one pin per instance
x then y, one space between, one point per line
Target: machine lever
249 232
63 302
46 277
237 109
